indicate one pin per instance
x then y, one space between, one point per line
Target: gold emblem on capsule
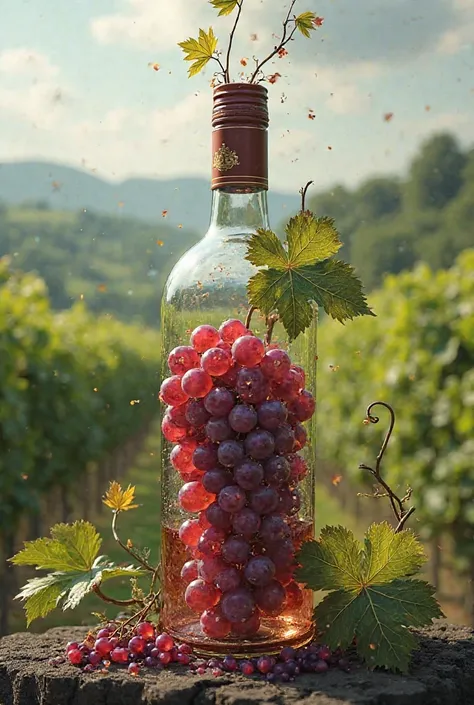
225 158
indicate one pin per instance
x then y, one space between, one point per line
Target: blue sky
76 88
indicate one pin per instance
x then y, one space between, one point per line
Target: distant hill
187 200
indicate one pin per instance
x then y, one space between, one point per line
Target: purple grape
265 664
264 500
231 498
210 567
282 553
271 414
205 456
246 522
259 571
320 667
271 598
235 550
196 413
237 605
218 429
277 470
251 385
218 517
284 439
287 653
259 444
219 401
273 528
243 418
248 474
230 453
211 541
228 579
214 480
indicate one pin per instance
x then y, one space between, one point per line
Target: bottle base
266 642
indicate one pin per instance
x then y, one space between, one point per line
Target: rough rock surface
442 674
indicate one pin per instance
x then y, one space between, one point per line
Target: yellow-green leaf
118 499
225 7
305 23
200 51
311 239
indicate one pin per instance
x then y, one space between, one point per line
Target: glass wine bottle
238 605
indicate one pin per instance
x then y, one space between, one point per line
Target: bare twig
113 601
216 58
285 38
231 39
303 192
401 513
249 316
130 551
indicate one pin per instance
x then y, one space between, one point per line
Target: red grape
181 455
300 375
214 480
214 624
201 596
136 645
247 667
75 656
298 467
248 474
294 596
146 630
189 571
103 646
230 453
288 388
243 418
164 642
303 406
94 658
171 392
290 501
249 627
218 517
182 359
210 567
219 401
190 532
133 669
196 383
300 436
202 518
237 605
235 550
246 522
265 664
204 337
229 379
171 431
218 429
271 598
216 361
232 329
251 385
193 497
248 350
259 571
196 413
119 655
177 414
276 364
211 541
231 498
260 444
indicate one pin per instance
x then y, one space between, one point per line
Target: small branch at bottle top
231 40
284 40
303 192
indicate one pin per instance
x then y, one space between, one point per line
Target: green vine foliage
72 388
419 354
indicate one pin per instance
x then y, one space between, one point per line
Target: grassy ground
141 526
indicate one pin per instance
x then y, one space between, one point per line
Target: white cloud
31 89
461 37
26 62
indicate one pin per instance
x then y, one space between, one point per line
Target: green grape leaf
299 274
225 7
71 555
306 23
200 51
372 597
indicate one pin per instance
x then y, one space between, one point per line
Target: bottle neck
238 212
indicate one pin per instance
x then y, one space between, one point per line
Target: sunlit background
104 183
